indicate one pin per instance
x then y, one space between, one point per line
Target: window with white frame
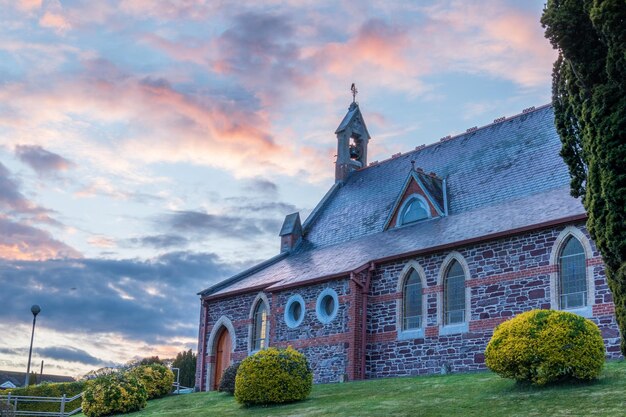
327 305
294 311
572 286
259 326
412 302
454 294
414 209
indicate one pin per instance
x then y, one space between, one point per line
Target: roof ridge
447 138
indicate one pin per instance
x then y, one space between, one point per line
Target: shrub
273 376
48 389
543 346
156 378
227 383
114 394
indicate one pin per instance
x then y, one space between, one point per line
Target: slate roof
18 378
502 177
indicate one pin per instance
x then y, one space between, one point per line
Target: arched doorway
223 349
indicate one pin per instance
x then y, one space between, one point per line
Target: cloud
40 160
153 301
202 223
163 241
54 17
261 186
10 196
70 354
24 242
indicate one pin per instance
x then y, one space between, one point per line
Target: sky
150 149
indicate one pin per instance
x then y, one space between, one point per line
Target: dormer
352 140
291 232
422 197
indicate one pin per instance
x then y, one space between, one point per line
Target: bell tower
352 139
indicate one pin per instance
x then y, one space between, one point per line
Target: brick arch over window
555 260
404 276
222 323
260 298
448 262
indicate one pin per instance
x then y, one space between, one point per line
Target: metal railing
179 389
15 400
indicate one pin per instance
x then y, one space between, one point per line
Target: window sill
586 312
453 329
411 334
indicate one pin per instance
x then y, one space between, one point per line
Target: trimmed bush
156 378
114 394
227 383
48 389
543 346
273 376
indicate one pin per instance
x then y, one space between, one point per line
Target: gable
415 186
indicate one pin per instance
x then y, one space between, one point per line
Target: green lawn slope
478 394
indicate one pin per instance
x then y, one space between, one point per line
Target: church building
406 265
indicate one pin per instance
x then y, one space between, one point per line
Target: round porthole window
327 305
294 311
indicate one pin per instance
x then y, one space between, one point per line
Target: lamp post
35 309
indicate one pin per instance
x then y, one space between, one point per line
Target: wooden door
222 356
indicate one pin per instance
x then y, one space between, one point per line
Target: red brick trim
486 324
606 309
382 337
595 261
316 341
433 289
432 331
385 297
525 273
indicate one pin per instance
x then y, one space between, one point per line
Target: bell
354 152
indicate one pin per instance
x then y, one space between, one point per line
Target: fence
15 400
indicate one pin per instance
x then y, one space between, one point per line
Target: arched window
412 302
414 209
572 275
259 327
454 294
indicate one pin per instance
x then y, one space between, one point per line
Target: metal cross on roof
354 92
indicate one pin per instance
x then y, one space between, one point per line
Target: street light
35 309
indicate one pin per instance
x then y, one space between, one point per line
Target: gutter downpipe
364 294
445 195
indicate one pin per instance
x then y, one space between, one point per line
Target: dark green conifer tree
589 97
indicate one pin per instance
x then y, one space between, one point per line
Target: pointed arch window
572 275
454 294
259 326
412 302
415 209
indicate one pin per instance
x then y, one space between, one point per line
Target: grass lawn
478 394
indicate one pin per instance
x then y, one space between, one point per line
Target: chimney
291 232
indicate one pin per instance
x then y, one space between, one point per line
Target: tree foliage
186 362
589 98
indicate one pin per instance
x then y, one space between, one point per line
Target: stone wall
503 278
326 346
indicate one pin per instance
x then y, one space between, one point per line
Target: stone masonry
505 277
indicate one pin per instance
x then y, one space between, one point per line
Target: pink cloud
19 241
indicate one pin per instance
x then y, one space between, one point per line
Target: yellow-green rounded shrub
114 394
273 376
543 346
156 378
